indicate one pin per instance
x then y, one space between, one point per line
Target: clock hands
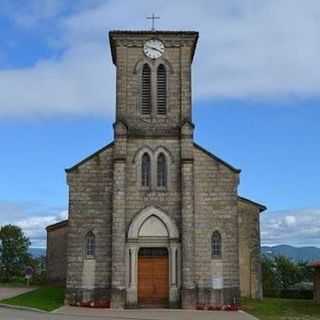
154 48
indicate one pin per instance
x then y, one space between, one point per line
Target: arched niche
153 227
158 217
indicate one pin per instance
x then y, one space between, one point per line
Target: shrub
296 294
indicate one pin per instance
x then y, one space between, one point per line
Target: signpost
28 275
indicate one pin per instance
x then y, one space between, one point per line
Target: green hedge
289 294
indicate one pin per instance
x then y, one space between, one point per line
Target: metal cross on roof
153 17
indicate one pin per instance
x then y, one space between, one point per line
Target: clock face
153 49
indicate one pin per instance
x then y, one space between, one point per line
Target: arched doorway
153 260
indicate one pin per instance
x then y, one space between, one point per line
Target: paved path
6 293
94 314
154 314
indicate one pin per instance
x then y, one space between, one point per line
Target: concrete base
118 298
188 298
74 296
132 299
231 295
209 296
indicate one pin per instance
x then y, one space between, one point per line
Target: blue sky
256 99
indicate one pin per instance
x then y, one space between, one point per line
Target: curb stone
10 306
56 311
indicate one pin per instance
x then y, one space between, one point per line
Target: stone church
154 218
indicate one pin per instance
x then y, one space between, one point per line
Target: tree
305 272
13 252
288 271
270 277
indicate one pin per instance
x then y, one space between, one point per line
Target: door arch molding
140 218
166 235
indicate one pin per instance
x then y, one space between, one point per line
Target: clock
153 48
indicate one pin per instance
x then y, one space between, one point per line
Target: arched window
161 90
216 245
145 170
90 244
146 96
161 171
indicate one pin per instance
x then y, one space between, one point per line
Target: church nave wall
215 210
90 186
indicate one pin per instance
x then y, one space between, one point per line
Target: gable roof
259 205
211 155
89 157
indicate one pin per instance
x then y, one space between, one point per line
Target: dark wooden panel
153 280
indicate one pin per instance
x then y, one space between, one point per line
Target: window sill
216 258
161 189
145 189
90 257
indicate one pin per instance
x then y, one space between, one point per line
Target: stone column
132 293
188 294
118 295
173 260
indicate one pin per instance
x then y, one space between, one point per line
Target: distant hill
37 252
294 253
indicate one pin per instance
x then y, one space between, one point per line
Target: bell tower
153 82
153 153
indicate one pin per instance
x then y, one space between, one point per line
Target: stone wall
249 249
57 252
138 197
129 59
90 209
215 209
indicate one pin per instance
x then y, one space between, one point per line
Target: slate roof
211 155
57 225
259 205
89 157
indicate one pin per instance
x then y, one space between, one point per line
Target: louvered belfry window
146 90
145 170
161 171
161 90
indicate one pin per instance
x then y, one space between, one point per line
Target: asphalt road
87 314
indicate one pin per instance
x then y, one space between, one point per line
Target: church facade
154 218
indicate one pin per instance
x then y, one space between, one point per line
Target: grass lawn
44 298
282 309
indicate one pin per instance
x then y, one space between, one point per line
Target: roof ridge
217 158
89 157
261 206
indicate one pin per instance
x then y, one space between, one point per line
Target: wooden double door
153 277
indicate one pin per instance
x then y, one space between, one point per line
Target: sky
256 95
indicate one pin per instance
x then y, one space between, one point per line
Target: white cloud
34 227
294 227
290 220
75 84
247 49
31 219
